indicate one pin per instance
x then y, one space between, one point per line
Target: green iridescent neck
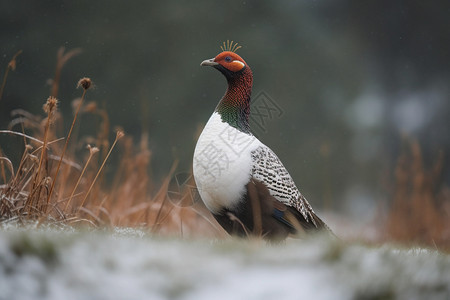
234 107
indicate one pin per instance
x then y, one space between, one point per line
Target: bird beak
209 62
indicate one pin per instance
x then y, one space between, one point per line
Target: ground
49 263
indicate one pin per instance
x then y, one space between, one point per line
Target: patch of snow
127 264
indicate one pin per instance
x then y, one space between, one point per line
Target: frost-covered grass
131 264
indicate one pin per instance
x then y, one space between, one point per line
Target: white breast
222 163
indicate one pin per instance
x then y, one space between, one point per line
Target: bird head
227 62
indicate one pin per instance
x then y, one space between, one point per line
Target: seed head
92 150
119 134
85 83
50 105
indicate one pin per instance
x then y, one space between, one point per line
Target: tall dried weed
53 183
420 208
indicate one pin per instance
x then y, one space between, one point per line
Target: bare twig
119 135
11 66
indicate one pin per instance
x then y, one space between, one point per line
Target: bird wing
268 169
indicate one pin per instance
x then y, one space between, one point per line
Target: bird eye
228 59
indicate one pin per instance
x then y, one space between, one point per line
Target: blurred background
352 81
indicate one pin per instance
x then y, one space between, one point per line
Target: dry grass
420 211
51 183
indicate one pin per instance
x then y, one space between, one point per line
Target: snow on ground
131 264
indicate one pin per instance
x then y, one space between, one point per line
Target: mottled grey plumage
268 169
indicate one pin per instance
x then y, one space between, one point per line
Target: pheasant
241 181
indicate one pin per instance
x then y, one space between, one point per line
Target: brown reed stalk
92 151
2 165
49 107
11 66
162 193
119 135
417 214
61 60
15 178
85 83
25 136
